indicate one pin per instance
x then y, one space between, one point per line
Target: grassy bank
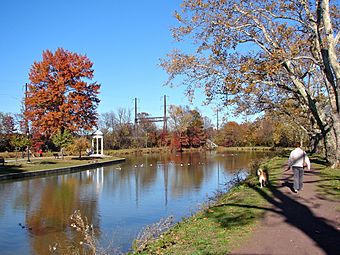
219 227
134 151
38 164
329 186
224 225
255 148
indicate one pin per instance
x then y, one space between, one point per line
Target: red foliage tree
59 95
176 142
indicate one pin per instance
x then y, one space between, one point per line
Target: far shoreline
57 170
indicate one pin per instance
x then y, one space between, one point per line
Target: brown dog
262 177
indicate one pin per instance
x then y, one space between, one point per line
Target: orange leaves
58 97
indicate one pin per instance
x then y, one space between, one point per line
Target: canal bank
92 163
223 223
231 224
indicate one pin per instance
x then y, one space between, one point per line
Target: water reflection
119 199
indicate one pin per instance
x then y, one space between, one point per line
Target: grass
255 148
38 164
219 227
133 151
329 185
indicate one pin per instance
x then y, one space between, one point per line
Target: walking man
298 160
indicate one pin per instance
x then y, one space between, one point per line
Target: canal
119 200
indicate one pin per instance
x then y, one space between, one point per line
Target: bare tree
260 54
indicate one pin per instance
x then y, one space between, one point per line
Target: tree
62 140
81 144
187 127
20 142
196 131
179 118
59 96
258 54
148 129
233 134
263 131
117 128
7 128
7 124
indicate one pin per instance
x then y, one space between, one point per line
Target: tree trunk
331 70
332 145
315 142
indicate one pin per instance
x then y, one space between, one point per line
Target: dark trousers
298 177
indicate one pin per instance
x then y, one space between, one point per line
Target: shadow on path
300 216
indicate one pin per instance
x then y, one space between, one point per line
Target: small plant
237 178
81 225
20 142
86 244
80 144
152 232
62 140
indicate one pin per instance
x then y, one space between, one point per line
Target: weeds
87 242
238 177
152 232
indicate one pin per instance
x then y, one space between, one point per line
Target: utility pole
163 119
136 117
27 128
136 122
165 125
217 120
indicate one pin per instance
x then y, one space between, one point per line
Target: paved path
11 160
302 223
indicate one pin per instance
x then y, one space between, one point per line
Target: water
119 200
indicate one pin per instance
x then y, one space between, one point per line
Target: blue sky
124 40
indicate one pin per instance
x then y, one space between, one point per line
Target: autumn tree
268 130
196 131
263 131
179 120
7 128
209 127
106 126
117 128
260 54
60 95
7 123
233 134
285 134
80 144
187 126
147 129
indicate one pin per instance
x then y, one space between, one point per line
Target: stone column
102 146
97 149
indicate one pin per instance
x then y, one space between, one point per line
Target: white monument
98 135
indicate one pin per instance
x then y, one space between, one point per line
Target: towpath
297 223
